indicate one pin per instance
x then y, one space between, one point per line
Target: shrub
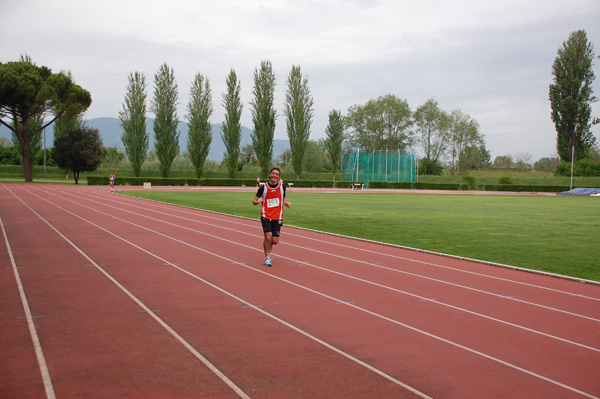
581 168
525 188
470 181
10 156
429 167
504 180
418 185
546 165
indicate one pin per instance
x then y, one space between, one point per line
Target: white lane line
384 244
39 353
149 311
518 326
222 290
137 200
433 336
349 259
490 293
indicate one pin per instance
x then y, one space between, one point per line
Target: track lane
91 332
281 379
294 269
348 260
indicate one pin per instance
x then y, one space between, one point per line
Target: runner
111 179
271 196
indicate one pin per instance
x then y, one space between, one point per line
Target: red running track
103 295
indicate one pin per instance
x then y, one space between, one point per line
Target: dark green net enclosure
384 166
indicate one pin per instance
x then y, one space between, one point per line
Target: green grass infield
555 234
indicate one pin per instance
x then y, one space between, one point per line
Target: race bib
272 202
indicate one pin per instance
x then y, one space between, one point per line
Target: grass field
557 234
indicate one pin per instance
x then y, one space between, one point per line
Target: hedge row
419 185
161 181
525 188
457 186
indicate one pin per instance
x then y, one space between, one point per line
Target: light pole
44 150
572 164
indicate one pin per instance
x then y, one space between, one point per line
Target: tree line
298 112
28 94
386 122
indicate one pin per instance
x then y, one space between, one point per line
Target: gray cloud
493 61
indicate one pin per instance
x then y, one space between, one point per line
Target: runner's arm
258 198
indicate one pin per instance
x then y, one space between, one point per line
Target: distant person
111 180
271 196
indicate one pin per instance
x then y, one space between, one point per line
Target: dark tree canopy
79 150
28 92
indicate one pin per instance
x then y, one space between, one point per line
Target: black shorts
271 226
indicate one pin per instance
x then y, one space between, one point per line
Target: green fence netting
389 166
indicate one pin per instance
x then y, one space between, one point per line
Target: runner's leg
267 242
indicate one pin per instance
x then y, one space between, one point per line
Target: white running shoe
268 261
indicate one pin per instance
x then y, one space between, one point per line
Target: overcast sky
492 60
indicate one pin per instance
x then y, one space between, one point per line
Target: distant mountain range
111 131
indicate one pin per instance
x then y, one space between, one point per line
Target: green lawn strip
549 233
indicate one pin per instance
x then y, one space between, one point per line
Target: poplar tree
299 113
133 121
200 130
263 115
333 142
164 107
571 96
232 128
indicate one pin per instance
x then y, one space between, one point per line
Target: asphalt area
108 296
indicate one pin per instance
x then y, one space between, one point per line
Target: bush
546 165
418 185
10 156
585 167
525 188
429 167
504 180
470 181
